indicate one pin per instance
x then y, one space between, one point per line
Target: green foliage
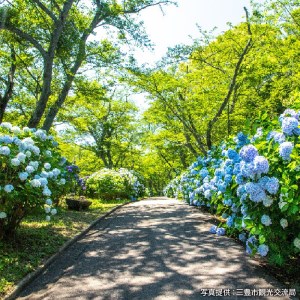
112 184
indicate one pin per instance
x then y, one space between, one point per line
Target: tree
59 35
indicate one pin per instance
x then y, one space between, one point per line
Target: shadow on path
152 249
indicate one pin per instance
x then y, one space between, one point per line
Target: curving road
157 248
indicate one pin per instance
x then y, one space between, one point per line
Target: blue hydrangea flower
230 221
266 220
248 153
203 172
272 185
207 194
4 150
289 124
261 165
277 136
268 201
220 231
285 150
213 229
263 250
242 237
8 188
23 176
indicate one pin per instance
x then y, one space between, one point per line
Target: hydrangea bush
32 174
253 184
111 184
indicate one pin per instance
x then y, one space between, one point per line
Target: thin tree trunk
10 84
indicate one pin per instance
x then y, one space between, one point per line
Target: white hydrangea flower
8 188
28 153
23 176
6 125
3 215
53 211
16 129
48 153
297 243
26 129
21 157
15 162
62 181
47 166
35 183
284 223
48 218
28 141
4 150
47 209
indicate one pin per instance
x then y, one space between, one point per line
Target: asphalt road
153 249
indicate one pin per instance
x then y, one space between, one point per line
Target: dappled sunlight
171 254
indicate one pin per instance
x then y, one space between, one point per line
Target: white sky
178 25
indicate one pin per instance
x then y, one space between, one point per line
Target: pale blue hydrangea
289 124
43 181
36 150
297 243
28 153
3 215
34 164
263 250
266 220
48 201
23 176
15 162
21 157
35 183
289 113
247 169
29 169
207 194
53 211
47 209
46 192
4 150
50 174
251 243
272 185
62 181
285 150
48 218
41 134
8 188
261 165
48 153
284 223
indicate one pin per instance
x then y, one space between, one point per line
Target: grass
36 240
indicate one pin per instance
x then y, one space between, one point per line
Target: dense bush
254 185
32 175
111 184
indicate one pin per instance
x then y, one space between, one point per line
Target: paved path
152 249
